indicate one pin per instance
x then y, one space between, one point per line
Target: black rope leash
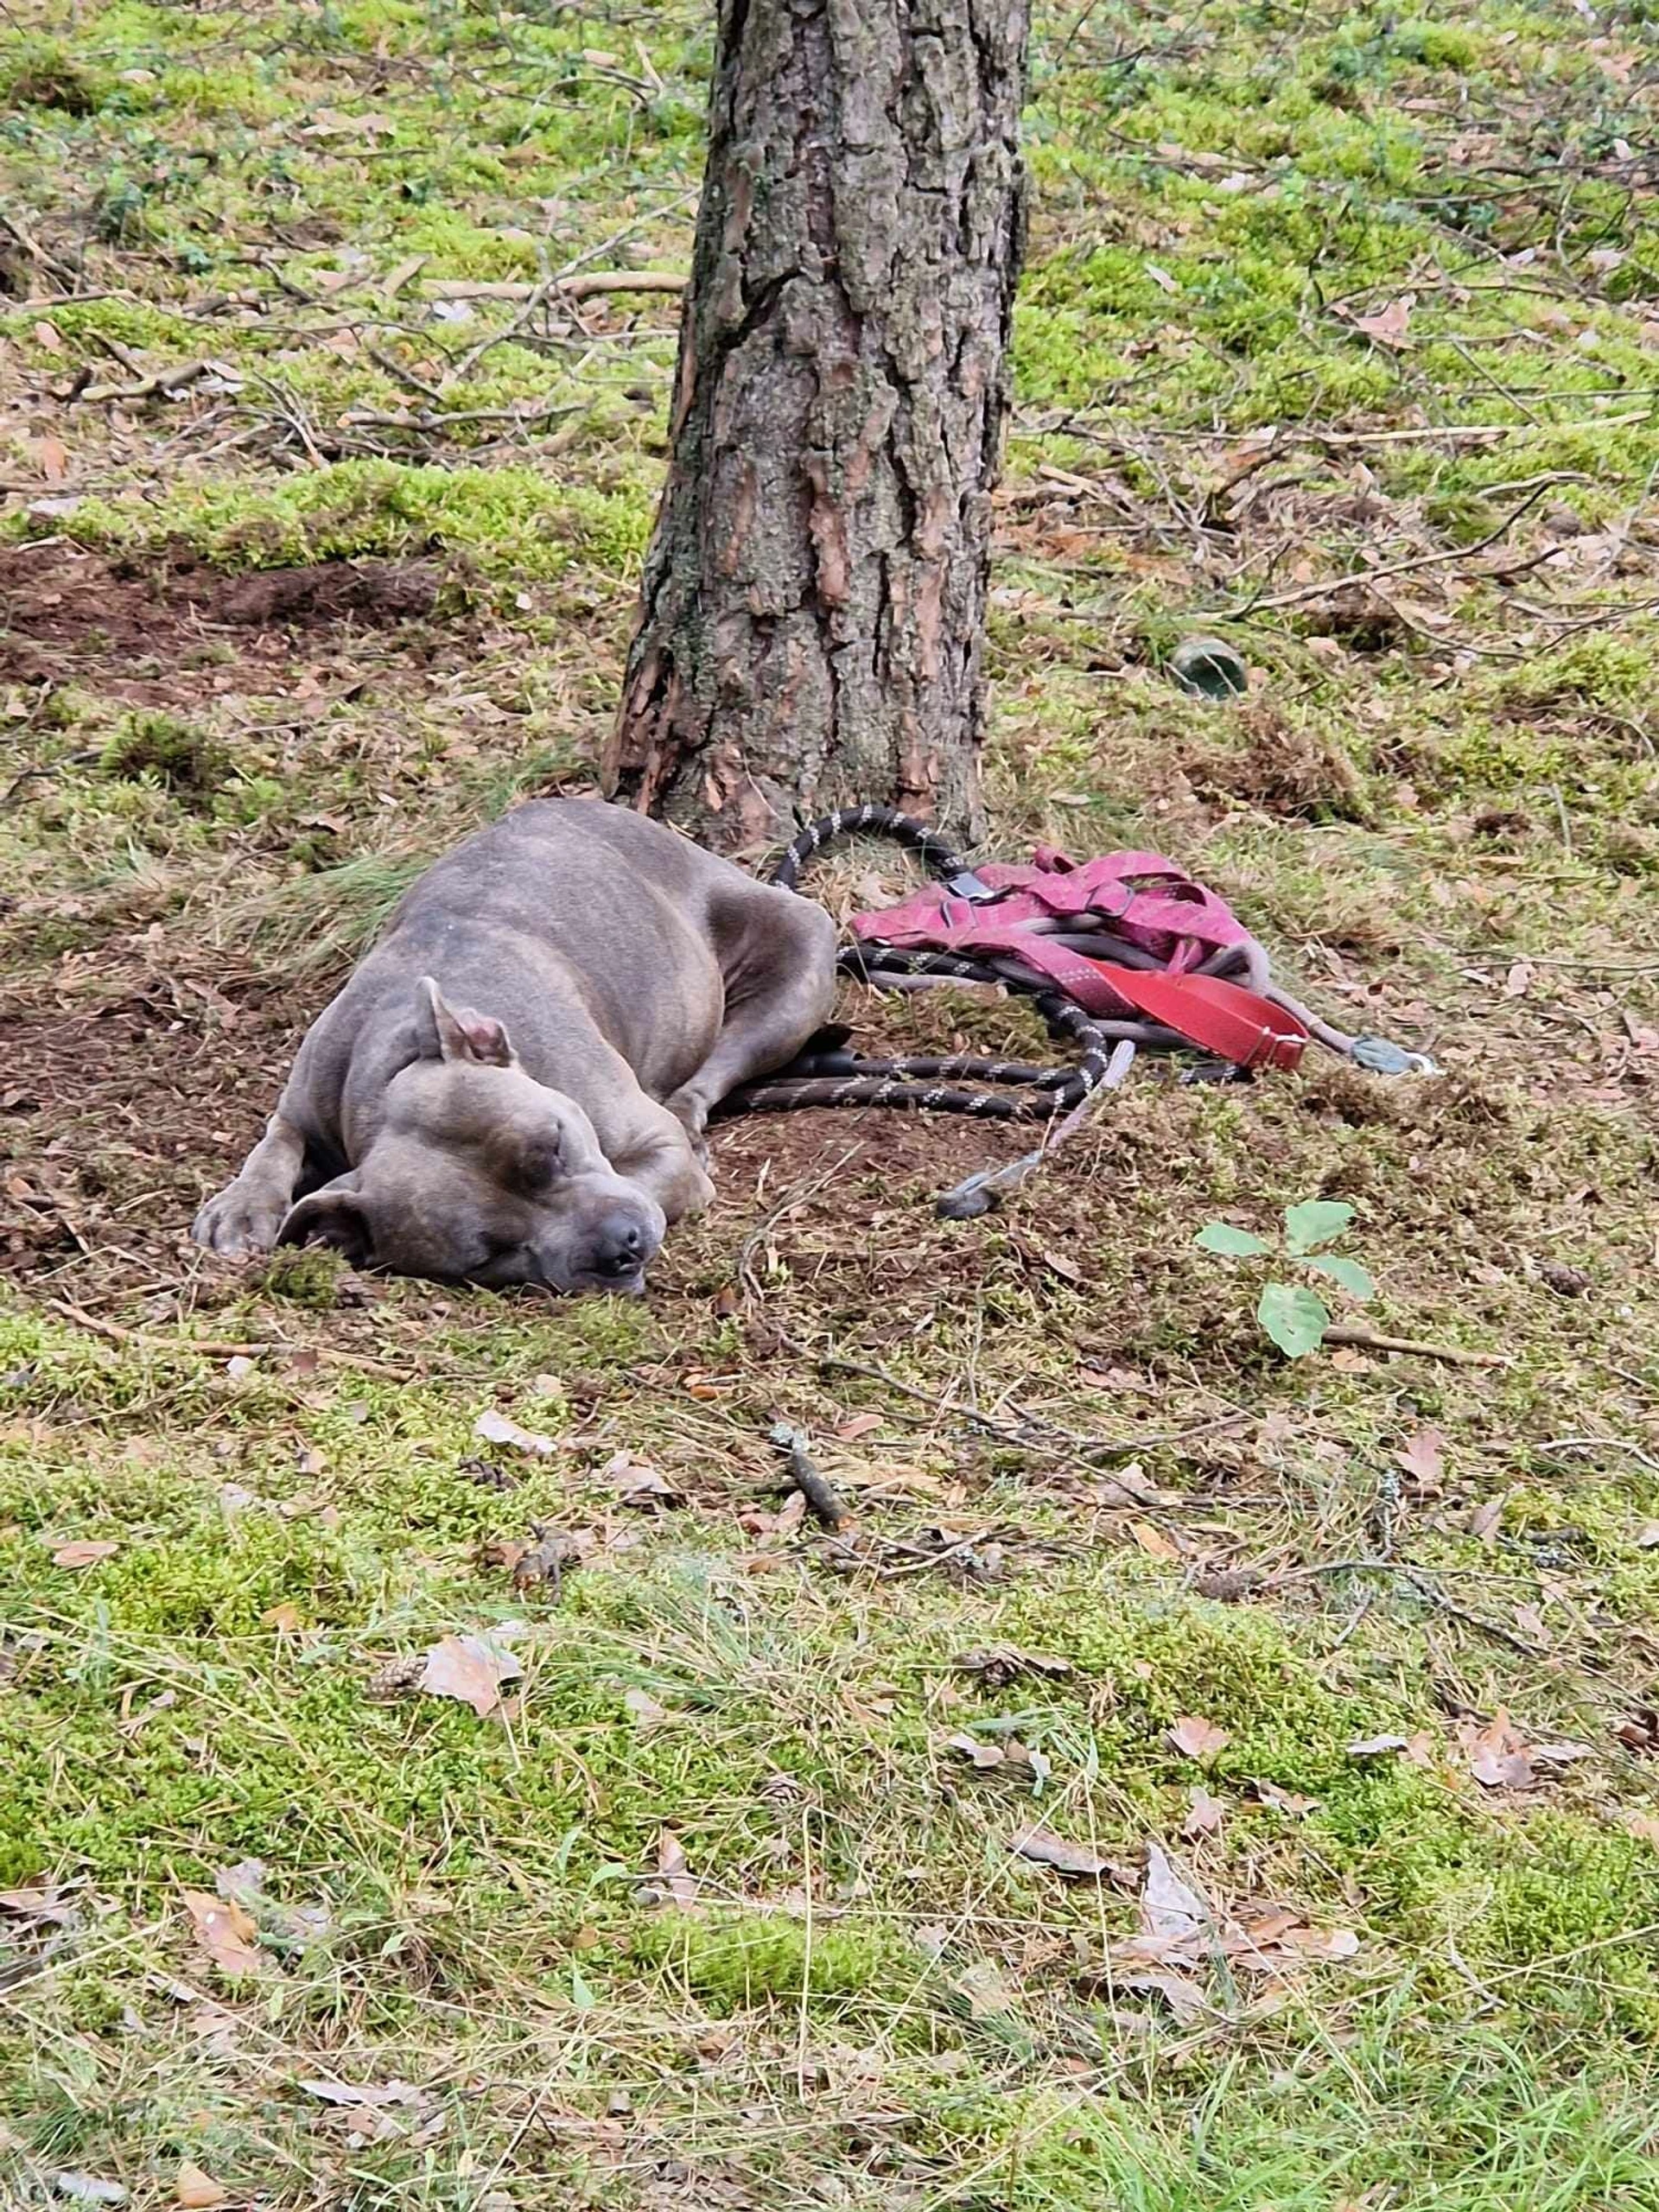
929 1084
826 1074
853 821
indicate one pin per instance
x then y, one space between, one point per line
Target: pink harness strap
1139 897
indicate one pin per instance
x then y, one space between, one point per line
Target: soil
69 616
131 1089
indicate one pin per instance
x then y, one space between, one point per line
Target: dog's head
480 1174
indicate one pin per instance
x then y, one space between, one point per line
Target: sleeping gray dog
513 1087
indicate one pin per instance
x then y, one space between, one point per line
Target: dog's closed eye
534 1164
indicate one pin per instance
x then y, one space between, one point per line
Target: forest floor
1195 1779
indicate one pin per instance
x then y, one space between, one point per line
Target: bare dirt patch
117 1121
150 633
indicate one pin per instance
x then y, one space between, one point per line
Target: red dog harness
1141 910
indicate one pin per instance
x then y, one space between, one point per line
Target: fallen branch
1065 1446
1305 593
1454 1355
207 1348
568 288
819 1493
41 256
432 419
162 385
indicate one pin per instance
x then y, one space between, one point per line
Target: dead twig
568 288
431 419
1601 1444
206 1348
1453 1355
1305 593
1065 1446
39 255
162 385
1422 1582
818 1491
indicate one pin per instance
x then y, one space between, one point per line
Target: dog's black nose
619 1248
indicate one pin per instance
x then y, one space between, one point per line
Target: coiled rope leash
1122 953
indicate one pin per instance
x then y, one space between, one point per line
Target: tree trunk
814 595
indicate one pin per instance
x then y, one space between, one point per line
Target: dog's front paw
690 1110
240 1222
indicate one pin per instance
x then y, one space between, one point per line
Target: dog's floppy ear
459 1033
335 1216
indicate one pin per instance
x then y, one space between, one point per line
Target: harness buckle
972 887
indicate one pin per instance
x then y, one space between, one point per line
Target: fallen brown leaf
1284 1801
224 1931
83 1553
983 1988
859 1425
1346 1359
673 1873
1000 1664
638 1485
1390 325
1153 1542
285 1619
1172 1911
1198 1739
1132 1478
1205 1816
39 1904
1418 1749
197 2190
1043 1848
1497 1754
1500 1758
372 2094
471 1668
1184 1997
1484 1520
495 1428
986 1756
1423 1456
1560 1754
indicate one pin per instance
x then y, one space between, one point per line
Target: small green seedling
1293 1313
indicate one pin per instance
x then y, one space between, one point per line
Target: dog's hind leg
248 1213
778 956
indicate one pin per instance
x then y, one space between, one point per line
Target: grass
1064 1435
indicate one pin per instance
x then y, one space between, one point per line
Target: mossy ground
1433 539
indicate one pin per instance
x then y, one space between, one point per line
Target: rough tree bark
814 595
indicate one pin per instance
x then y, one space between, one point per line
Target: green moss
1438 45
305 1275
43 72
735 1960
181 759
514 522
